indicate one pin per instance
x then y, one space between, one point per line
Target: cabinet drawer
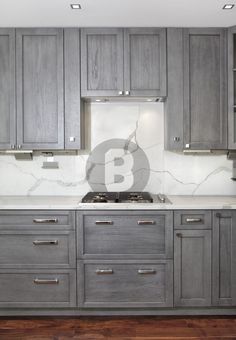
125 283
37 249
32 288
199 219
37 219
122 234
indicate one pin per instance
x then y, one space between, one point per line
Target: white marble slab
74 203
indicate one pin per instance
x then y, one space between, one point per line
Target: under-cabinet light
75 6
228 6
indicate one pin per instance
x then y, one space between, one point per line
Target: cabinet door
73 104
192 268
145 61
40 112
101 61
205 89
232 87
7 88
224 258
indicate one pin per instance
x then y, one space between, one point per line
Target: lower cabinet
125 283
224 258
192 268
37 288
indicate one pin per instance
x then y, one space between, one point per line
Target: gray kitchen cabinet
232 88
126 283
224 258
101 61
139 234
145 62
7 88
205 88
192 268
39 67
123 62
37 259
196 107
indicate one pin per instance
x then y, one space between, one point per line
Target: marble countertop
74 203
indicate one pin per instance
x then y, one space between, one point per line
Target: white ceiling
116 13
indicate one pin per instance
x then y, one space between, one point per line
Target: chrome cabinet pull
45 242
104 271
146 271
104 222
146 222
45 220
127 93
191 220
121 93
46 281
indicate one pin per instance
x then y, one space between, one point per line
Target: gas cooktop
122 197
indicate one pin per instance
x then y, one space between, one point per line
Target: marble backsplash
143 124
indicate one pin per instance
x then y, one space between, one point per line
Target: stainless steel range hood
128 99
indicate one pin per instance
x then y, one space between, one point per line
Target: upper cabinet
196 110
45 110
40 112
123 62
232 87
7 88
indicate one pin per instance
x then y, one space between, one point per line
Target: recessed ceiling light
228 6
75 6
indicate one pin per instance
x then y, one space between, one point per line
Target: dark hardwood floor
118 328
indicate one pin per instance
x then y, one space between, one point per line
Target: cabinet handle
13 146
191 220
104 271
46 281
127 93
179 235
19 146
45 242
121 93
104 222
146 271
187 146
176 139
146 222
45 220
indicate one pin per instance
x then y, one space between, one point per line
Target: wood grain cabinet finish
125 283
105 234
232 88
7 89
205 88
145 61
192 268
37 288
224 258
123 62
101 61
39 65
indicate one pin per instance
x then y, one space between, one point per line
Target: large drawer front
113 235
197 219
37 288
37 219
125 283
40 249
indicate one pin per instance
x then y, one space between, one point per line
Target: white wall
170 173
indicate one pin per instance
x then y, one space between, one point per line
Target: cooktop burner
117 197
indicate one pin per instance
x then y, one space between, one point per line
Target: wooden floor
117 328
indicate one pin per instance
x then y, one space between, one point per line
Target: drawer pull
104 271
191 220
46 281
45 242
146 222
45 220
146 271
104 222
